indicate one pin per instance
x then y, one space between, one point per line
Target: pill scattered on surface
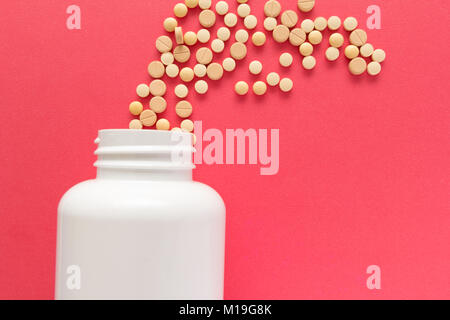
181 53
136 108
255 67
305 5
214 71
187 125
142 90
148 118
241 36
203 35
281 33
250 22
191 3
242 1
366 50
334 23
183 109
207 18
222 8
200 70
357 66
181 91
350 24
259 88
217 45
320 23
204 55
180 10
135 124
190 38
187 74
270 23
158 88
297 37
379 55
223 34
307 25
273 79
201 86
229 64
306 49
351 51
315 37
167 58
332 54
336 40
179 38
158 104
358 37
230 20
259 39
241 88
373 68
164 44
272 8
172 70
309 62
286 59
156 69
238 51
243 10
289 18
286 84
163 124
170 24
204 4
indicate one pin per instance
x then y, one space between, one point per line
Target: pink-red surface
364 162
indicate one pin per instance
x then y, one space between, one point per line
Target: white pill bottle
143 229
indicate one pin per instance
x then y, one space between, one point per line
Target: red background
364 162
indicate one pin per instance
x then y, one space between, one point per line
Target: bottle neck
144 155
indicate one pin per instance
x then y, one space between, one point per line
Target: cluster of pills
283 26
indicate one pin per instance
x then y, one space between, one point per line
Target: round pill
243 10
273 79
183 109
351 51
204 55
286 84
217 45
250 22
366 50
334 23
222 8
179 38
305 5
163 124
200 70
307 25
156 69
281 33
306 49
286 59
201 86
181 53
255 67
379 55
320 23
136 108
204 4
158 104
315 37
238 51
332 54
229 64
259 88
297 37
191 3
214 71
142 90
167 58
259 39
187 74
309 62
190 38
241 36
223 33
187 125
164 44
270 23
336 40
357 66
170 24
181 91
373 68
203 35
180 10
358 37
289 18
272 8
158 88
241 88
135 124
148 118
350 24
230 20
207 18
172 70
